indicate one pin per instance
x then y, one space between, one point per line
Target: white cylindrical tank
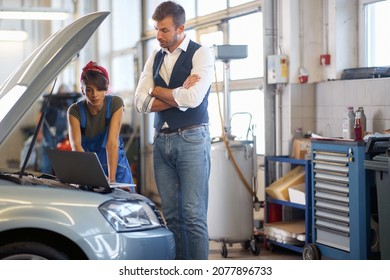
230 210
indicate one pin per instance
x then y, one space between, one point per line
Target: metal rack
306 208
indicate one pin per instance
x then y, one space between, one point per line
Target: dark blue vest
182 69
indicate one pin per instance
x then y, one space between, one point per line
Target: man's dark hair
170 9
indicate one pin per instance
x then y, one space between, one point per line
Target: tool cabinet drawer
332 215
340 199
331 198
333 239
332 187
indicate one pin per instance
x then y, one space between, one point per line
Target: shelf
294 248
288 160
286 203
287 234
272 201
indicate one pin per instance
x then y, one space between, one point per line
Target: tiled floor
236 252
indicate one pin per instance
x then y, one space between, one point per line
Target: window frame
363 31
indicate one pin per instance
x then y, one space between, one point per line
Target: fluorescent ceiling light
13 35
33 14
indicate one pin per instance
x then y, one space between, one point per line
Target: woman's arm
113 143
74 133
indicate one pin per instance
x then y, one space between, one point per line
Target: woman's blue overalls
98 143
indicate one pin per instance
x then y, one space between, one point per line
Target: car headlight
129 215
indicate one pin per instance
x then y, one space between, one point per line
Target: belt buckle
167 130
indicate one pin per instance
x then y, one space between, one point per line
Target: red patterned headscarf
93 66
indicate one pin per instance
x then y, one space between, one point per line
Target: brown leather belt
168 130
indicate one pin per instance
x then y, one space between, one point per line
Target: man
175 83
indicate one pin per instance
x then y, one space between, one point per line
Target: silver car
42 218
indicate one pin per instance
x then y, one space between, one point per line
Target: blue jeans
182 167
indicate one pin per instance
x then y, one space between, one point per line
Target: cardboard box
297 194
301 148
279 188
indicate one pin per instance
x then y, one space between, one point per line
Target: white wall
11 55
307 29
332 99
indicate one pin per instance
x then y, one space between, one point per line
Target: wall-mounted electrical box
277 69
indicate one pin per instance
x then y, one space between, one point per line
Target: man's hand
191 80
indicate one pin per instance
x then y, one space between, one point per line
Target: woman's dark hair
95 78
170 9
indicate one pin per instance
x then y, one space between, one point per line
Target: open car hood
32 77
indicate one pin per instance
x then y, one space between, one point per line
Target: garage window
375 20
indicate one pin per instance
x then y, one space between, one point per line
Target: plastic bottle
348 123
363 120
298 133
358 129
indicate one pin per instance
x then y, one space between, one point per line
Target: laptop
82 168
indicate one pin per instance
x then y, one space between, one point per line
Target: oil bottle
358 129
363 120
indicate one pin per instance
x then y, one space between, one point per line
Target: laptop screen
81 168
